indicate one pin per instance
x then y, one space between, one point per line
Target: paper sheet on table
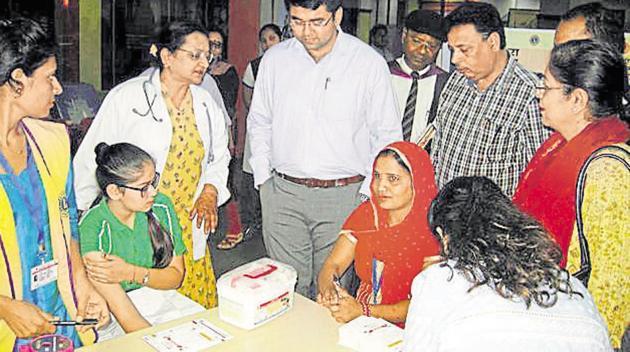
159 306
199 241
369 334
195 335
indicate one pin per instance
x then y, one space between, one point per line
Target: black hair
495 244
394 154
594 66
173 36
119 164
331 5
375 29
602 23
270 26
215 29
24 44
485 17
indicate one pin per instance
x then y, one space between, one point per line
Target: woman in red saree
581 100
388 238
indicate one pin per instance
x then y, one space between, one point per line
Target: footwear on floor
230 241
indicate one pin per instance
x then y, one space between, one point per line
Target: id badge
43 274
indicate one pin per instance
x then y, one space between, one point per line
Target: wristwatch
145 278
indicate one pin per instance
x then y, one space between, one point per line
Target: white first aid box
256 292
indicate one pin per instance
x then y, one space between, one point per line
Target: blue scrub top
30 219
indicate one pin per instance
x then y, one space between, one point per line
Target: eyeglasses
197 55
541 89
144 190
319 23
427 46
216 44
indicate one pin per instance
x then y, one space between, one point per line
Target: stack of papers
368 334
192 336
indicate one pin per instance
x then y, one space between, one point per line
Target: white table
306 327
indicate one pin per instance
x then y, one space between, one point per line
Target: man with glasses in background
323 106
417 81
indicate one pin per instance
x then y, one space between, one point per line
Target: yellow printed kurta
606 218
179 180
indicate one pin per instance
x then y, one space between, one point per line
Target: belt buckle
338 182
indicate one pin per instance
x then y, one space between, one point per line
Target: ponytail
161 242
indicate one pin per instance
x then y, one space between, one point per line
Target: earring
18 92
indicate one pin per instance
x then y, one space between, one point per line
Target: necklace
20 149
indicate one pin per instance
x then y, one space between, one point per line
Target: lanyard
376 283
35 187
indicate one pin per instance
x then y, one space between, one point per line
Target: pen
376 328
336 280
337 283
73 322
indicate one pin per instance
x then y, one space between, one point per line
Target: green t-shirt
101 231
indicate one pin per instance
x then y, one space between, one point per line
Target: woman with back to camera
581 98
500 286
42 277
178 123
387 237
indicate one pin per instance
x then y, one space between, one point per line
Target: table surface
306 327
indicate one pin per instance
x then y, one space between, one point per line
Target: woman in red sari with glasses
581 99
388 238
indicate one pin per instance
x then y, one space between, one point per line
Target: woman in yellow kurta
179 180
607 189
179 124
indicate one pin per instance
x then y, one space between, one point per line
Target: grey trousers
301 225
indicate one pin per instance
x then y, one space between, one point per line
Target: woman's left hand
347 308
91 306
205 209
108 269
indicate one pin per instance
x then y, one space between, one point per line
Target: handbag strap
585 256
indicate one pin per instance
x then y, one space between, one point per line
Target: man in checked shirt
488 121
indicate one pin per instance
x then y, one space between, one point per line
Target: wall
90 42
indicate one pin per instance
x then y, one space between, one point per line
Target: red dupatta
403 247
546 190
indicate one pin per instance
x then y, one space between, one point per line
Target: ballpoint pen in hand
74 322
337 283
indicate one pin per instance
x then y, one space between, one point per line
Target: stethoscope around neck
148 85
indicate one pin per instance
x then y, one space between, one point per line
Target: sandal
230 241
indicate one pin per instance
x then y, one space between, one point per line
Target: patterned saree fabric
546 190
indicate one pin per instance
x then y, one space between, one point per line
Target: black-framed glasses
144 190
197 55
318 23
215 44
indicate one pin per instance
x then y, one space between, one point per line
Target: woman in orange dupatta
388 238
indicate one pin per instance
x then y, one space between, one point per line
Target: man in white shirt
323 107
416 79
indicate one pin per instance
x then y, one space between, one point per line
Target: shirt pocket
504 143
